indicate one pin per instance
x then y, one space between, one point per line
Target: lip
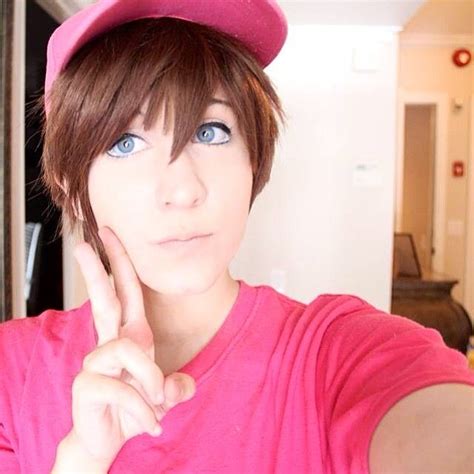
182 239
193 246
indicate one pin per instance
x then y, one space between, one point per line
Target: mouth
182 246
182 238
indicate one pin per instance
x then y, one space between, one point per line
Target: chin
192 281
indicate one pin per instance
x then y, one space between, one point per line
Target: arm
430 430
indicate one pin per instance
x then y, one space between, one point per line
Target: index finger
105 304
127 285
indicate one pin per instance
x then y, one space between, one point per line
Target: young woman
159 134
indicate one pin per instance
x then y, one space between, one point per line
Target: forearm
70 458
430 430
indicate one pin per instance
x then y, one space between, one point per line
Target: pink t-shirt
281 387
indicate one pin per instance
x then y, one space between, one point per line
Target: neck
189 320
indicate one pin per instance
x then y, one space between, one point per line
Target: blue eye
125 146
212 133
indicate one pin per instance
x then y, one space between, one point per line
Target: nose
181 185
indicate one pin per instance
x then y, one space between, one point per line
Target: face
136 192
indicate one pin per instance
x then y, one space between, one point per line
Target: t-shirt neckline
203 363
221 342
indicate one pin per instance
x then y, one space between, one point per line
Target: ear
77 212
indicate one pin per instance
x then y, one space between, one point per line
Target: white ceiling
326 12
351 12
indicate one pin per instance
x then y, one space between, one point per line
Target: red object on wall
458 169
462 57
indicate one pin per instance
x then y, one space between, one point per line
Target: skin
120 392
142 199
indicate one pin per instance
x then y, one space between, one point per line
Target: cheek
233 182
233 201
113 198
97 195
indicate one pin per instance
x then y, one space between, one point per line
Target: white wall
322 219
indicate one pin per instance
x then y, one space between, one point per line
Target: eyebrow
213 101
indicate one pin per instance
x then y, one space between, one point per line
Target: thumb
178 387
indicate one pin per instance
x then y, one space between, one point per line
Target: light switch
366 175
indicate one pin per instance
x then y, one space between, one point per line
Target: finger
110 391
127 378
124 354
128 290
178 388
104 302
126 281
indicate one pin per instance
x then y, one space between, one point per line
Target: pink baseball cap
259 24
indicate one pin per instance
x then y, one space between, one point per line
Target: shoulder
330 316
39 337
368 360
348 316
23 332
352 317
18 337
357 334
326 315
324 305
39 356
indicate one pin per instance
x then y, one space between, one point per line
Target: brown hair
178 65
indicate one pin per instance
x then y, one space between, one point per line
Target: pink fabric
282 387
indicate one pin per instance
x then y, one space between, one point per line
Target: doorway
431 110
419 180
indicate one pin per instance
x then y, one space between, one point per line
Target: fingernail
157 430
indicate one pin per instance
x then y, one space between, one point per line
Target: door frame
16 160
441 101
469 265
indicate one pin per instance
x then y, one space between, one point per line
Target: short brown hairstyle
178 65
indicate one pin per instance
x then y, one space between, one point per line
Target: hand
120 391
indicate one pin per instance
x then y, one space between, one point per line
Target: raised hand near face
120 391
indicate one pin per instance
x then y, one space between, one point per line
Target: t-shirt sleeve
17 339
368 361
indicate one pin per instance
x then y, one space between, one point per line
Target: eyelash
219 125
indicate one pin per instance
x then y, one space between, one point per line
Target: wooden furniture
428 301
425 297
